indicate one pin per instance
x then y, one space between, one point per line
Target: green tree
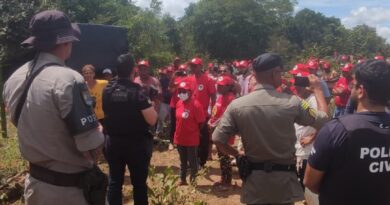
221 29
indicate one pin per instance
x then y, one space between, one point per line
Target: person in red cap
314 69
244 76
225 89
330 76
305 134
150 84
204 92
177 78
342 90
190 119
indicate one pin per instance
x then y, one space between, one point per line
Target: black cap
266 62
50 28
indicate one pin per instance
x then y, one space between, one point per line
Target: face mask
183 96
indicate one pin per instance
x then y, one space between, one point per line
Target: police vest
362 167
123 118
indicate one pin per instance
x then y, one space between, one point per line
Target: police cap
267 61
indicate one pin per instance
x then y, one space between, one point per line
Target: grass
10 158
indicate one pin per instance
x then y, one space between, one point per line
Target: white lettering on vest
89 119
364 151
372 169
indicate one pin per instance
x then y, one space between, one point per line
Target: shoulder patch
305 106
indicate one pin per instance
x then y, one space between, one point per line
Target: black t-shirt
354 153
123 102
164 82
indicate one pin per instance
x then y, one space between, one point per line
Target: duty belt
269 167
55 178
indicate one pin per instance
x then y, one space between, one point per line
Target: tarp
99 45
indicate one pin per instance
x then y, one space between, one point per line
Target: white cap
107 71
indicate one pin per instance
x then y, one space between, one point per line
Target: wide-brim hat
50 28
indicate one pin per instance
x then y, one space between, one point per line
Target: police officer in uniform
128 114
265 121
51 107
350 159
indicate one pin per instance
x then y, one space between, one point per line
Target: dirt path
206 192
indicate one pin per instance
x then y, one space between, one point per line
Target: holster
94 185
93 182
244 167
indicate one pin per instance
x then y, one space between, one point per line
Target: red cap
299 68
312 64
196 61
326 65
224 80
344 58
347 68
302 74
243 64
169 69
143 63
183 67
379 57
177 59
185 85
210 65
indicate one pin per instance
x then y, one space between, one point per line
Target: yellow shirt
97 92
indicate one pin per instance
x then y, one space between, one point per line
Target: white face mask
183 96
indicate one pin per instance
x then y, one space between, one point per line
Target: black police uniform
129 140
354 153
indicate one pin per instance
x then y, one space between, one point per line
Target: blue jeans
136 156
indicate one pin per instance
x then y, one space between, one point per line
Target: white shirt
302 131
244 83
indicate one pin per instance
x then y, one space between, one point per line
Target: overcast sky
375 13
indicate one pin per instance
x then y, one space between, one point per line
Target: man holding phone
265 119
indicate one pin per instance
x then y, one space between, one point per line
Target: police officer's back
128 115
57 129
265 120
350 160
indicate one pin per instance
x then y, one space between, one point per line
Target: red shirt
188 117
204 87
219 108
341 100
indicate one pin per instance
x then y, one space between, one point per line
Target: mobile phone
301 81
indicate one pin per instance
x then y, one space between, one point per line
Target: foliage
10 157
165 191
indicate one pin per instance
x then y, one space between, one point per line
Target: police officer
350 160
51 107
265 121
129 113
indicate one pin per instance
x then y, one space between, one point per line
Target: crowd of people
268 119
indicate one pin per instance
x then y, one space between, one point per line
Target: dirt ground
205 189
